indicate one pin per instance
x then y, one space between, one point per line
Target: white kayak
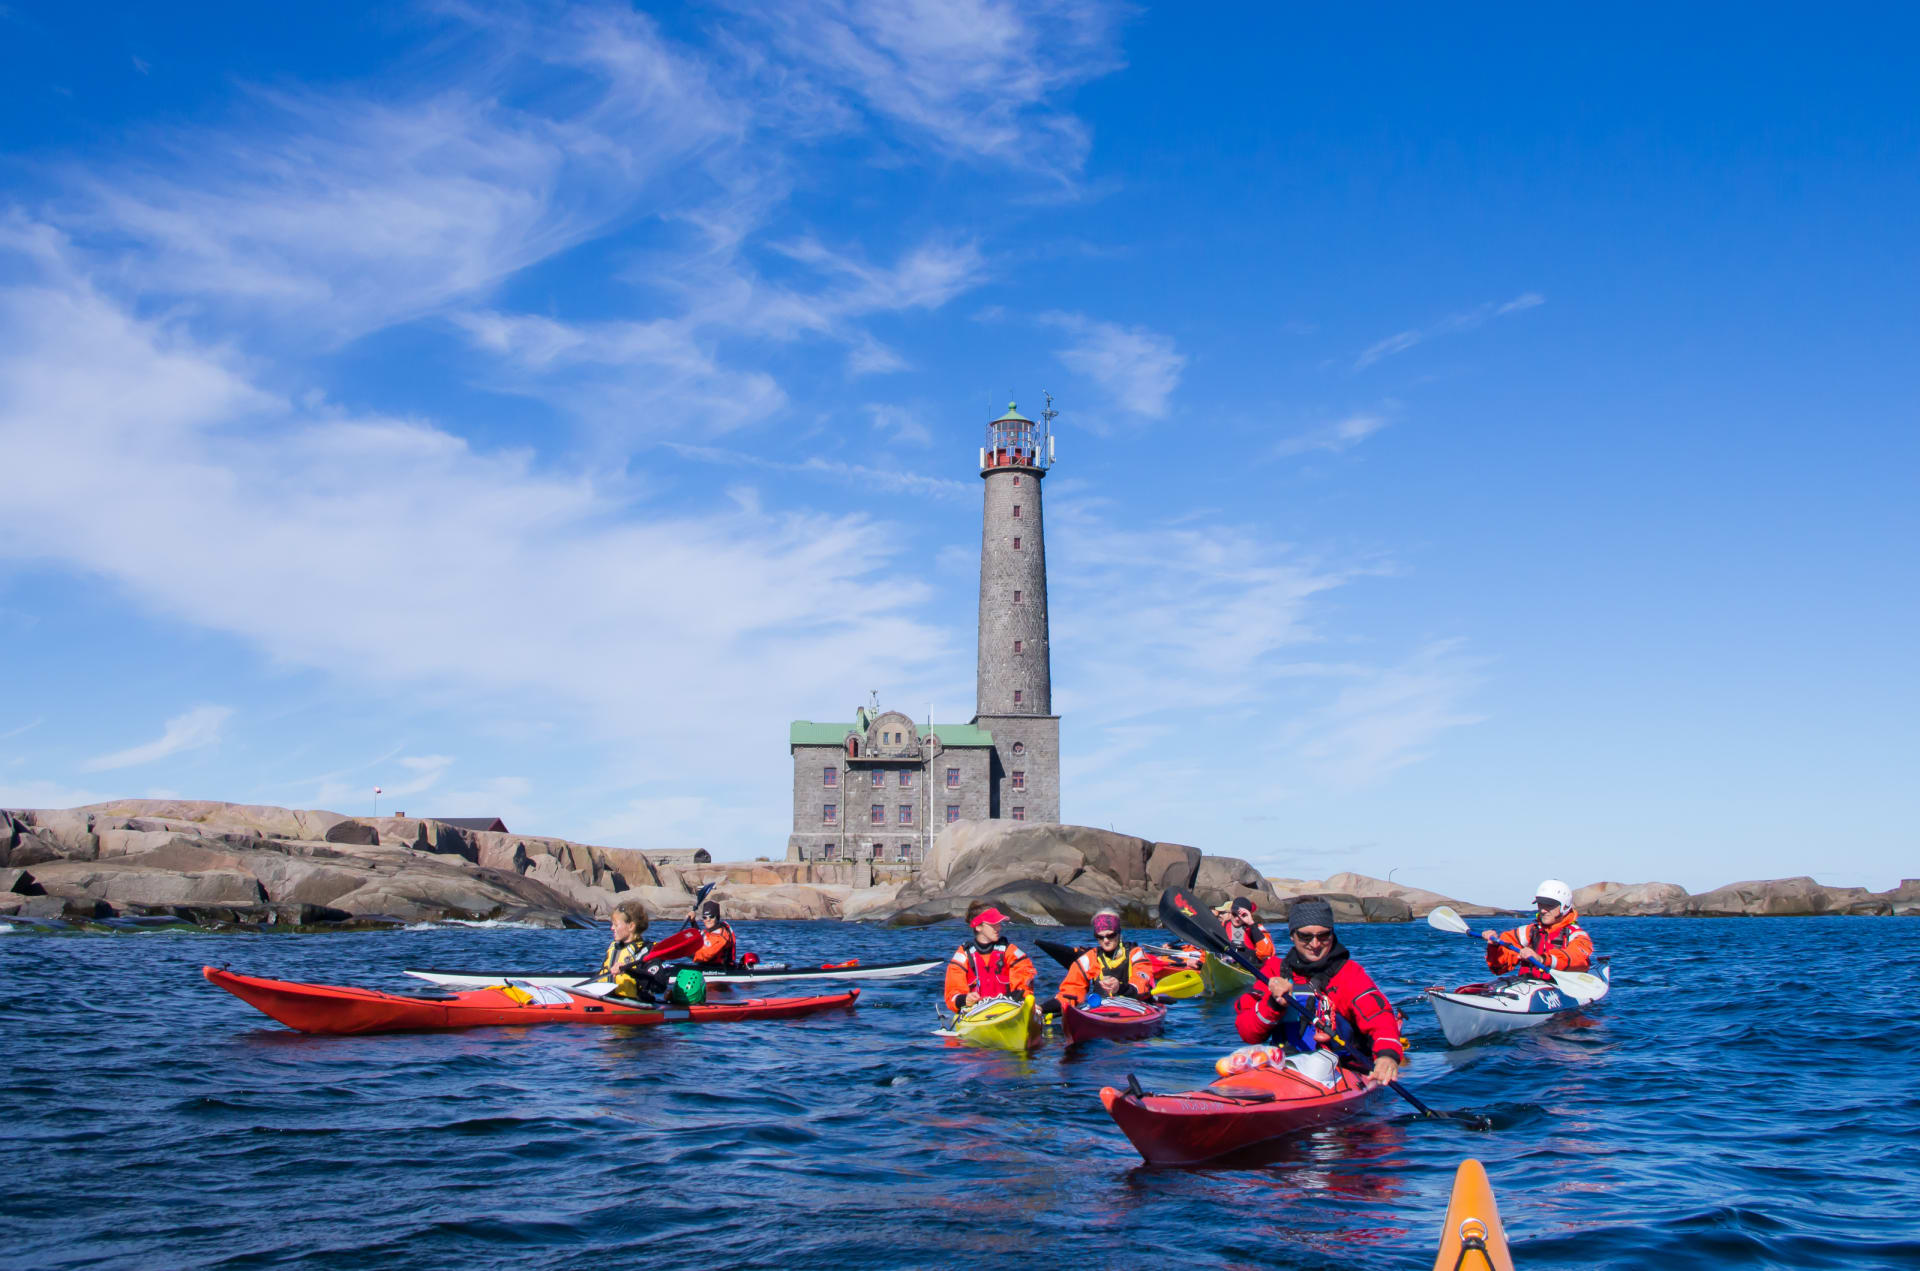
1505 1005
761 973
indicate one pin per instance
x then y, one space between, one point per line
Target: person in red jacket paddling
1322 976
1553 940
1243 928
1112 968
987 965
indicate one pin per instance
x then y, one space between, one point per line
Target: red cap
989 914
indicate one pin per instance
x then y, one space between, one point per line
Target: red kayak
1118 1020
327 1008
1233 1113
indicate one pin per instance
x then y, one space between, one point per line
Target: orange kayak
332 1008
1473 1239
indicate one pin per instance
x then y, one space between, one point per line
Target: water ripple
1738 1101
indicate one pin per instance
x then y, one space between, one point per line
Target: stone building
882 786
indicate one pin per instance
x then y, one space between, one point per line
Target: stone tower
1015 695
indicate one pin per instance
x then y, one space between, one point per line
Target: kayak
1000 1022
765 972
1232 1113
1223 979
328 1008
1472 1239
1179 985
1505 1005
1117 1019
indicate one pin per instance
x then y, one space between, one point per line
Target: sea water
1747 1096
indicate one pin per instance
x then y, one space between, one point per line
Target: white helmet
1556 891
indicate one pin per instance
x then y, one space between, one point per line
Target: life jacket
716 947
988 974
1344 1000
623 951
1563 936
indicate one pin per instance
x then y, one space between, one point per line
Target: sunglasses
1541 902
1106 935
1312 937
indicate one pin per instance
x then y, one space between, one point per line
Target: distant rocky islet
242 866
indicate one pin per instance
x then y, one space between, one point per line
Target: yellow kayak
1179 985
1224 979
1473 1239
1000 1022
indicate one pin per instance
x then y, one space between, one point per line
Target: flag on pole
376 789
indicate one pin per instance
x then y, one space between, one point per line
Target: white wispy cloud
1390 717
1137 369
1343 434
1466 320
899 422
978 79
190 731
847 472
27 727
747 606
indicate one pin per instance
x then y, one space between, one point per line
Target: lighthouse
1014 698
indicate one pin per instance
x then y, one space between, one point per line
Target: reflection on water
174 1126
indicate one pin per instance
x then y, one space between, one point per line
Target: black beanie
710 910
1309 911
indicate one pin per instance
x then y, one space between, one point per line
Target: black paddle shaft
1180 914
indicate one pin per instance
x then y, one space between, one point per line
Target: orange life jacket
1562 945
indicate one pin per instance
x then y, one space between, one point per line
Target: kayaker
1553 940
1112 968
717 946
988 965
625 963
1243 927
1323 977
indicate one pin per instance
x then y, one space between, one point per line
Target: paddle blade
1179 985
1188 919
1444 919
685 940
1064 954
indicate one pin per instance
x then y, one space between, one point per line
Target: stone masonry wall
1005 570
854 795
1039 761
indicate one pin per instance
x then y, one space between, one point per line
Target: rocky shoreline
143 862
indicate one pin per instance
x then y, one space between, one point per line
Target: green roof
1013 414
804 732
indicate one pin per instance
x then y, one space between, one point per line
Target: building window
1019 814
1017 697
953 778
879 814
1016 511
906 780
827 851
879 776
1018 645
1016 596
1019 747
1016 544
829 777
906 814
830 814
1016 479
1019 780
953 813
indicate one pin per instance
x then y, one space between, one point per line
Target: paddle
1443 918
1180 914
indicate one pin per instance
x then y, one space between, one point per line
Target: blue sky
1486 451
